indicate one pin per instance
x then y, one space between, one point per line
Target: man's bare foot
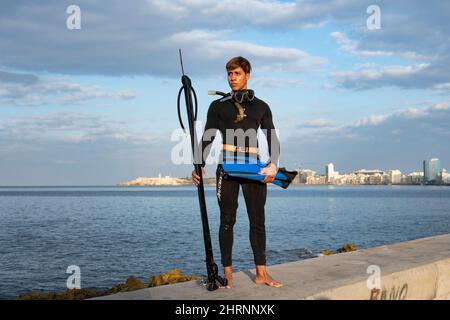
228 274
262 277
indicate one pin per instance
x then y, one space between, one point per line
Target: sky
91 99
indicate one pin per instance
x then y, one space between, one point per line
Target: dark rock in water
130 285
327 252
172 276
348 247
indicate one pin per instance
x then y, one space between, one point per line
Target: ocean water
112 233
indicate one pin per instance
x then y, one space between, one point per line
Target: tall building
414 178
394 176
306 175
431 170
445 177
329 172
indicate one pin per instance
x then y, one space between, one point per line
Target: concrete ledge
418 269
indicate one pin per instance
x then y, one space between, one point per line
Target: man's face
237 79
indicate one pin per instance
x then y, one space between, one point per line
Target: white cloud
71 128
413 113
319 122
388 71
372 120
354 47
362 78
53 90
212 46
275 14
441 88
128 94
442 106
277 82
410 113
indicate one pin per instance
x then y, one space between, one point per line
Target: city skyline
381 169
432 174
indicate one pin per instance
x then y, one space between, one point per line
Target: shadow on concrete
250 275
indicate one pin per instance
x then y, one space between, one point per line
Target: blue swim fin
249 168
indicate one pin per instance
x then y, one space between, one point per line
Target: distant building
364 176
432 171
329 172
306 175
445 176
320 180
394 177
414 178
368 172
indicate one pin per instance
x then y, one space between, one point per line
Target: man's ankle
260 270
228 269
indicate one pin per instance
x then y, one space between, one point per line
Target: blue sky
97 105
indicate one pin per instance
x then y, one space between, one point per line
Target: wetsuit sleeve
211 127
272 138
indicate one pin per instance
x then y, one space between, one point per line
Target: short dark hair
239 62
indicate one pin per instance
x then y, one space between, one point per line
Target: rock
131 284
327 252
348 247
135 284
172 276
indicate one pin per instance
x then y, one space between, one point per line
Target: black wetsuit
221 116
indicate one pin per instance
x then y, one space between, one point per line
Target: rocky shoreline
131 284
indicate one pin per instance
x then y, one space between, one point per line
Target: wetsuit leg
227 192
255 194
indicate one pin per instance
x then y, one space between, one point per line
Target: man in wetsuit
237 116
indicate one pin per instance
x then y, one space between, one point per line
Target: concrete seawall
418 269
